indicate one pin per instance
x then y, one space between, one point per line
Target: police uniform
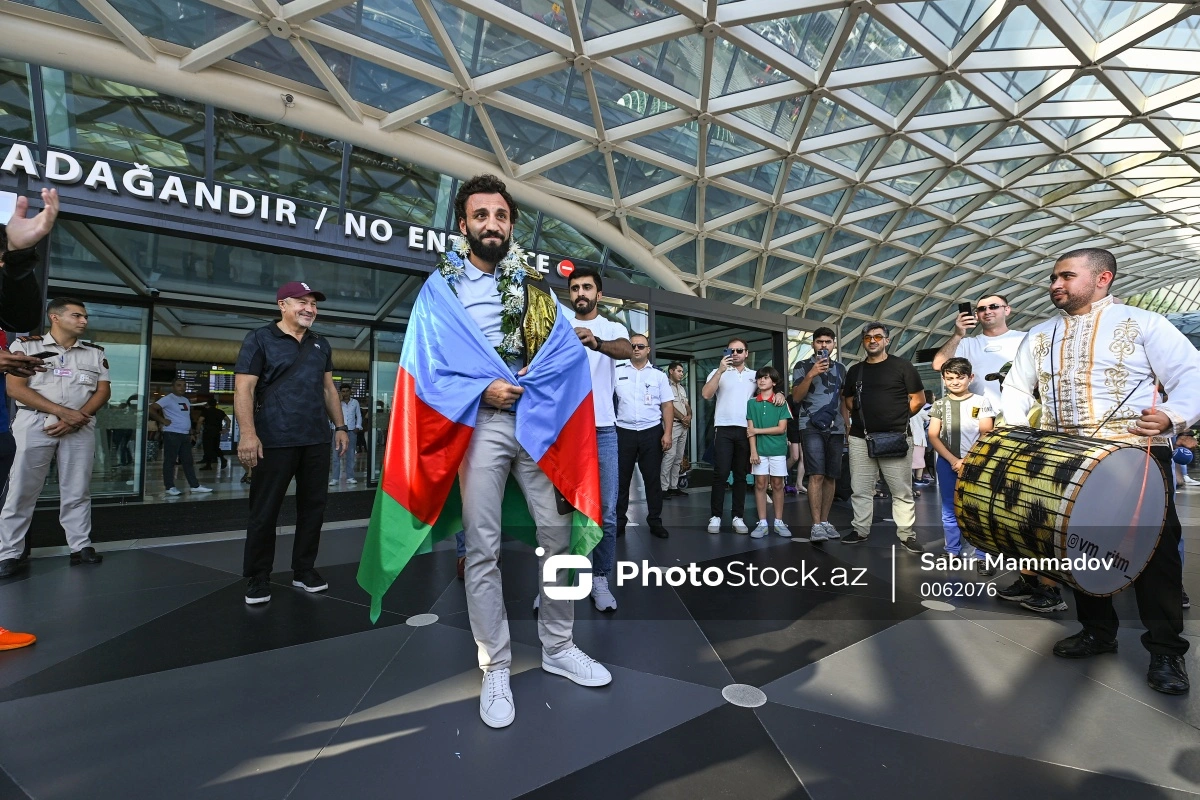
74 374
640 398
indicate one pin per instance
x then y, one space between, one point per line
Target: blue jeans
346 462
605 555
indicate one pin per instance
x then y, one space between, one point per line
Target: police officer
55 419
645 413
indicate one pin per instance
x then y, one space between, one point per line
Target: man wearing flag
493 383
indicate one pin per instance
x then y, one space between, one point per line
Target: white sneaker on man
577 665
351 481
201 490
760 530
714 524
817 533
333 482
830 531
496 707
781 528
739 525
174 491
602 596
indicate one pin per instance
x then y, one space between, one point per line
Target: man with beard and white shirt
607 342
988 352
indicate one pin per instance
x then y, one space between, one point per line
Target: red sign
565 268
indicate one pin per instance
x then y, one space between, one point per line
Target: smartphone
822 354
728 352
964 308
43 355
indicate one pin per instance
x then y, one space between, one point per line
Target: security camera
289 100
153 292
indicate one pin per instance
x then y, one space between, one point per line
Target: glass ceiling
875 159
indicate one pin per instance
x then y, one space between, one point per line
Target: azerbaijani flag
445 366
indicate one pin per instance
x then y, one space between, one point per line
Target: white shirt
640 395
734 389
916 427
1100 368
178 411
604 368
988 354
352 414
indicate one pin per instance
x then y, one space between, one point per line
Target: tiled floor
151 679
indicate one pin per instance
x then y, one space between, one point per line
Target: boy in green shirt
766 425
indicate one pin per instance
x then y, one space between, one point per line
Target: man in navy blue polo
284 398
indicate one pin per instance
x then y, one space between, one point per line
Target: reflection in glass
389 187
384 366
16 115
271 158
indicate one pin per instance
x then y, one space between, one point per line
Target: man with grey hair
880 395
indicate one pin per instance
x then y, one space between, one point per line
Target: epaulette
29 338
92 344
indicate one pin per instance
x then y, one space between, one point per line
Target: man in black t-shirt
880 395
215 422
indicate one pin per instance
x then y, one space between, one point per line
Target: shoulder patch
104 361
29 338
91 344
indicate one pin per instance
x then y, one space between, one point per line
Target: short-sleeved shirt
734 389
604 368
72 376
824 392
213 418
960 421
987 355
640 395
178 411
886 386
765 414
293 414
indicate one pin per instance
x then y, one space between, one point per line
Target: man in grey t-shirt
817 388
173 413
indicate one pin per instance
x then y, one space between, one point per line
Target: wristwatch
342 428
599 343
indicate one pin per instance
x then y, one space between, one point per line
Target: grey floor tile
953 679
341 546
242 727
425 710
837 759
49 581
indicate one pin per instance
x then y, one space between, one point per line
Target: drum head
1118 514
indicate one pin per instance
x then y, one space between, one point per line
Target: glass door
385 363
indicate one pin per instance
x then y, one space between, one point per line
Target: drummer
1094 364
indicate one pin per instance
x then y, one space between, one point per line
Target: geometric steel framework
844 160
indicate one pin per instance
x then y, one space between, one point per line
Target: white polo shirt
733 391
640 395
604 368
178 411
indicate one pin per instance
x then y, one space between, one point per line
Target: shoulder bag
881 445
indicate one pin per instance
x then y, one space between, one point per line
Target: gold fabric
541 310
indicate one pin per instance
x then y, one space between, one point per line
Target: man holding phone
996 346
817 387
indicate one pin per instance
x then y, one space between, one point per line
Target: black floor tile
722 754
8 789
837 758
416 590
215 627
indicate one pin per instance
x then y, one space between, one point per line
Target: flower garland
510 279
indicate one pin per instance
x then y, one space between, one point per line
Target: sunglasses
641 347
873 337
989 307
737 349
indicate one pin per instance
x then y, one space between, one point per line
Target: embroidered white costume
1096 372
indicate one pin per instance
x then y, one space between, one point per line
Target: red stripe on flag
573 463
424 450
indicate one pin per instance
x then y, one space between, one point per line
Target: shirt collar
1097 307
47 338
474 273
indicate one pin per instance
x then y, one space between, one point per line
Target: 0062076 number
958 589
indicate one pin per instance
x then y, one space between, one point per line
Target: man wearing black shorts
817 387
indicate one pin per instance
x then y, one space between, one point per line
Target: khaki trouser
897 472
35 450
491 456
673 458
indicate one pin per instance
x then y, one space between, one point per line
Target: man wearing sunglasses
992 349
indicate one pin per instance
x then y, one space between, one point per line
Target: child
955 424
766 425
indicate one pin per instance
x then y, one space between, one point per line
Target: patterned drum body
1036 494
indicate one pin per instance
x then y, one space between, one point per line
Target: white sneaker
602 596
818 534
496 707
351 481
1190 481
714 524
770 502
760 530
333 482
201 490
577 665
830 531
174 491
781 528
739 525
